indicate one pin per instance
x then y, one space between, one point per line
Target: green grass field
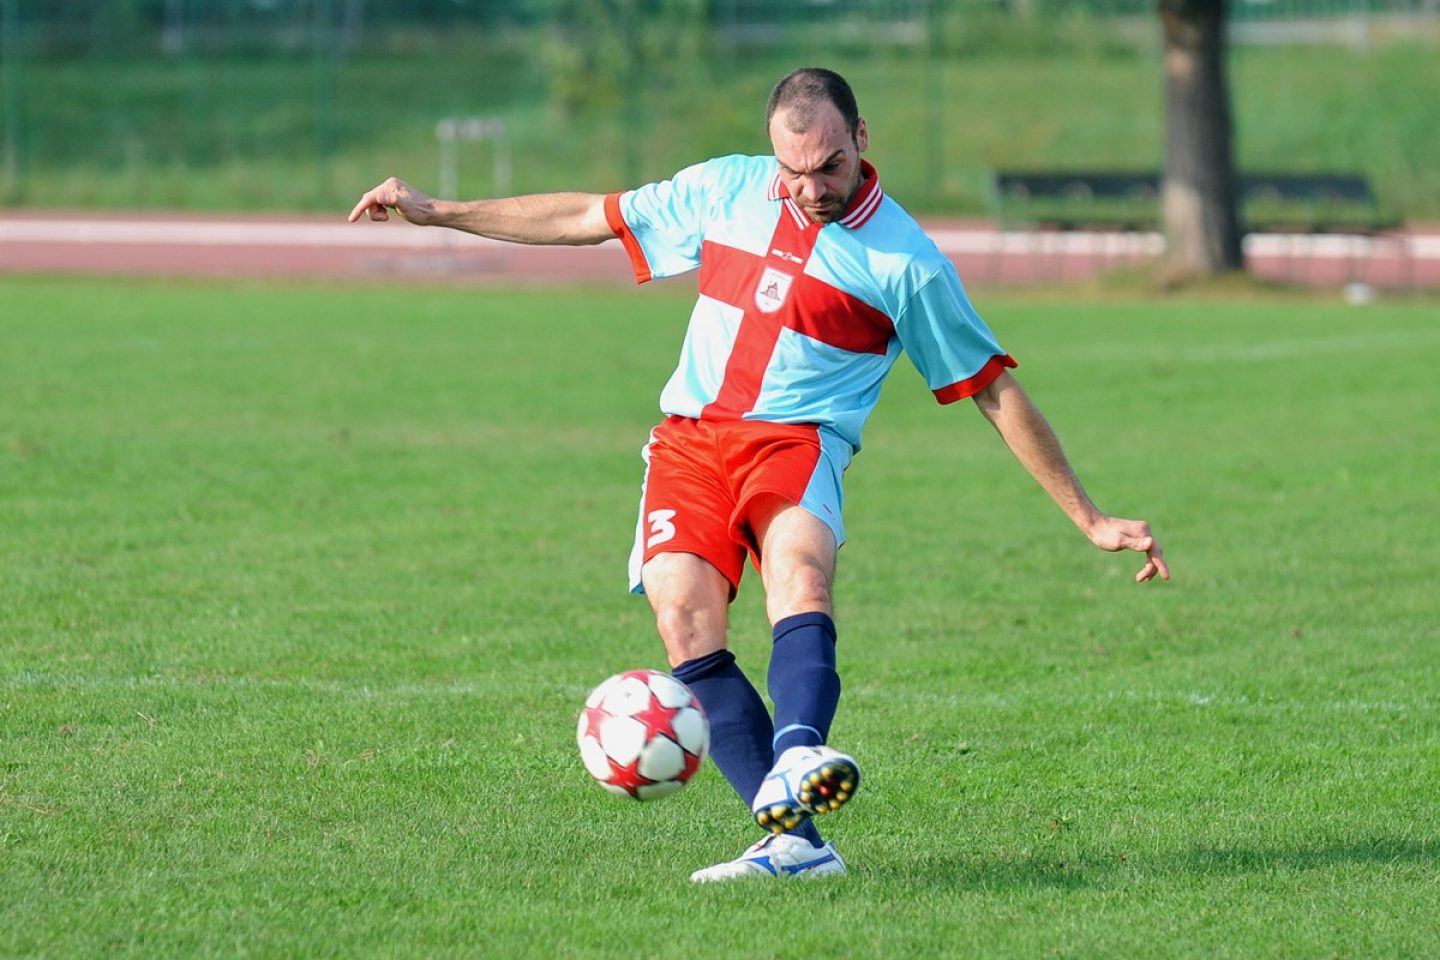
301 589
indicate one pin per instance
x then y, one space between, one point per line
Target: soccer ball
643 734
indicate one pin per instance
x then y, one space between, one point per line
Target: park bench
1128 200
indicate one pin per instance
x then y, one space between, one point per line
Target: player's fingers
1154 564
367 202
1139 544
378 201
1157 558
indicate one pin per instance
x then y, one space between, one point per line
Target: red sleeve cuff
981 379
638 263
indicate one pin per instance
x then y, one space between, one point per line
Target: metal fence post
324 89
935 103
632 120
10 56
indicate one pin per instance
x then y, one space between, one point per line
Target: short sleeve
947 341
661 224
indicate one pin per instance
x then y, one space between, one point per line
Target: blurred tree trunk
1202 224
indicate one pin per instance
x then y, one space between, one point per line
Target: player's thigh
798 551
685 506
791 507
794 464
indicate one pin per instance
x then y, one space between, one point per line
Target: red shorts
703 477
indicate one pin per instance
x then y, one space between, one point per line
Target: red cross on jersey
798 322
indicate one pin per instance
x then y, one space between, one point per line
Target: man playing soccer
812 282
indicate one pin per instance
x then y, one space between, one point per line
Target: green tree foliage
603 54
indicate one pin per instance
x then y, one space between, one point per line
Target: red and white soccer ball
643 734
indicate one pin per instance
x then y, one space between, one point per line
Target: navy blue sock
741 732
803 683
740 727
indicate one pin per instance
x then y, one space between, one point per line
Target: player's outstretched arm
1029 436
574 219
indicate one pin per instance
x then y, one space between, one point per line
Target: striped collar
862 206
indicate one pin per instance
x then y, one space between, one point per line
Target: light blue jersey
798 322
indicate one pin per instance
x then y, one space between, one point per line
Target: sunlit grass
301 588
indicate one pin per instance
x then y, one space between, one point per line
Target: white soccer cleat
778 855
804 781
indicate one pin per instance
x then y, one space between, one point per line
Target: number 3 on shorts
661 529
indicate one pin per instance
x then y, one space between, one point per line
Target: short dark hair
800 91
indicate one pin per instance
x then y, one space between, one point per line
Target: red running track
328 247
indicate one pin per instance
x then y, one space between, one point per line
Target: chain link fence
299 104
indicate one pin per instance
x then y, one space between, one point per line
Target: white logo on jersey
771 290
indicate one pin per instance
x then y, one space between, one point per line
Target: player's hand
1117 533
399 196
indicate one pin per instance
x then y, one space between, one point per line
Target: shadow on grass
995 872
999 871
1226 860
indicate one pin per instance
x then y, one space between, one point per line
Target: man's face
821 166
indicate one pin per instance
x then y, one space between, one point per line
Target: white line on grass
1153 698
576 693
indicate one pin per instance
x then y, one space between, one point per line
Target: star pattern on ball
630 726
628 776
658 719
594 716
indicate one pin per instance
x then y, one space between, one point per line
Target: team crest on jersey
770 292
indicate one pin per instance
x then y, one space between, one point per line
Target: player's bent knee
805 589
689 633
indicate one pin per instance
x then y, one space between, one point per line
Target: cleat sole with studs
830 787
824 791
780 817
